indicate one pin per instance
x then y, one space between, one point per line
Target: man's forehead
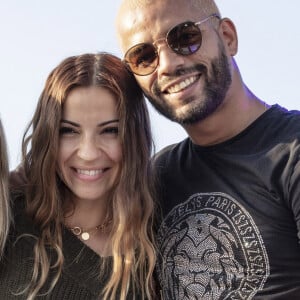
137 25
146 24
131 26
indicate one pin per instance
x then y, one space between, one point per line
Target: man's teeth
182 85
89 172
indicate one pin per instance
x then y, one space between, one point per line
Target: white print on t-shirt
211 248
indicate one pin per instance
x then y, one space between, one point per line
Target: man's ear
228 34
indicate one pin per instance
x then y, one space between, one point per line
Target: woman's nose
88 149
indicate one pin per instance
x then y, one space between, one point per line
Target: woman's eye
66 130
111 130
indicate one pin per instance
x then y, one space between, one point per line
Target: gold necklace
86 234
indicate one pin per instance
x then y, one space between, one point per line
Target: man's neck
231 118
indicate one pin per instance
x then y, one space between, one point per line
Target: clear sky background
37 34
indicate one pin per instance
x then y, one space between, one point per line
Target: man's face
185 89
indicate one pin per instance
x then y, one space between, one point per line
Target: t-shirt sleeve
294 192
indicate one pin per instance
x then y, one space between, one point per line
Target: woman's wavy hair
131 207
5 213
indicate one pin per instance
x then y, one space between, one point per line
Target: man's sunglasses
183 39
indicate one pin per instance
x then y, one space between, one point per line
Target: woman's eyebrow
99 125
108 122
70 122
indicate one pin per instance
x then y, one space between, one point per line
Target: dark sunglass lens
142 58
185 38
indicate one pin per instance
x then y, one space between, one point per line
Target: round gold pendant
76 230
85 236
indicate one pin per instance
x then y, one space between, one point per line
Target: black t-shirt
231 214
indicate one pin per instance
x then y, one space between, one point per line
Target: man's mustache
199 68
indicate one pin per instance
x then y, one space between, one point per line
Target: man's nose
168 61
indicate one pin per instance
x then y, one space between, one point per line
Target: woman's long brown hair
131 204
5 216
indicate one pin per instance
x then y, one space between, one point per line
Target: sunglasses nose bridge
158 46
159 41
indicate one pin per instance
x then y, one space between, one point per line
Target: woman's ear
228 34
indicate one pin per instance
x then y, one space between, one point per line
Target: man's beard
214 92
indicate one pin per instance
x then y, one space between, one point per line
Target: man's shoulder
282 124
278 112
171 153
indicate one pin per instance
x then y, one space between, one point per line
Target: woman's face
89 150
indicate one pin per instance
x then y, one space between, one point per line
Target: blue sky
37 34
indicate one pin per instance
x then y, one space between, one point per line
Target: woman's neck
91 224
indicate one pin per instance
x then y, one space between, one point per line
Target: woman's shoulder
22 222
17 199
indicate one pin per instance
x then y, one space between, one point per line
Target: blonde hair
5 216
131 205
